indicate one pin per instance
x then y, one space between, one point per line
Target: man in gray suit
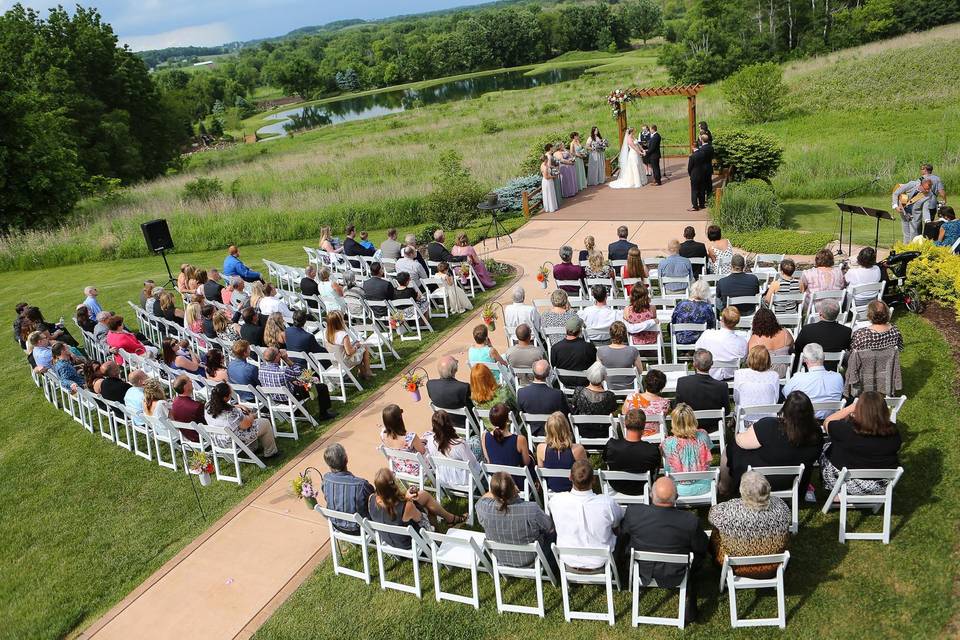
390 249
922 202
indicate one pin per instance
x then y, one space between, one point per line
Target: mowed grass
84 522
863 589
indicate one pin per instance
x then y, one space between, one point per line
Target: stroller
894 272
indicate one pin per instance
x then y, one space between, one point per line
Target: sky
156 24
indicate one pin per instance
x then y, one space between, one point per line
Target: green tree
757 92
295 73
644 18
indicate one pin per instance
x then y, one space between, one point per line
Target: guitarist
916 202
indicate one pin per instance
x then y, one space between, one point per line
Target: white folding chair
225 445
859 297
543 474
472 490
537 571
162 435
284 407
585 421
875 502
425 478
895 404
761 410
574 379
362 539
459 549
529 489
636 557
706 498
418 550
732 582
470 423
792 495
121 423
675 347
625 499
607 577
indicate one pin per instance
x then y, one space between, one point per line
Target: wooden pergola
689 91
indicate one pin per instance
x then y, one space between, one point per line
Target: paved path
237 573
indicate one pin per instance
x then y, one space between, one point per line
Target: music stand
870 212
492 204
848 209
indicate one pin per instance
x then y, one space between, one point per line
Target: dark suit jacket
353 248
309 287
436 252
693 249
832 336
737 284
653 147
446 393
114 389
541 399
618 250
252 333
378 289
298 339
663 530
212 290
702 393
208 329
700 164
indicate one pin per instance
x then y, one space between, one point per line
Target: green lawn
84 521
863 589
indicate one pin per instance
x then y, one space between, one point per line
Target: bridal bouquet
599 145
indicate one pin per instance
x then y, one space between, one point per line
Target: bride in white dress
632 175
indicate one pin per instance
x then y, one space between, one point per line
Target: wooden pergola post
692 119
622 123
690 91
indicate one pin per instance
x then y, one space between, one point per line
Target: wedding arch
619 98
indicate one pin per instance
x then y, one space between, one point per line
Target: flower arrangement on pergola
619 98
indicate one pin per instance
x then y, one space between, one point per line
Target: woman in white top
347 351
155 403
866 272
331 293
758 384
443 440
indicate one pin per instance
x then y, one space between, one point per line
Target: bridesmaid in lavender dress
464 248
568 172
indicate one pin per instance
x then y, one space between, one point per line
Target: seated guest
178 356
690 248
410 264
640 316
524 353
394 435
566 270
880 333
724 344
193 317
620 249
252 329
695 310
597 267
456 298
446 392
352 293
861 437
225 330
216 370
817 383
573 353
767 332
308 283
785 283
185 409
437 252
101 329
326 241
212 289
483 352
559 451
737 284
147 292
790 438
376 287
40 351
347 351
442 440
463 248
233 266
90 302
757 383
675 266
558 315
661 528
518 312
271 303
832 336
65 368
353 248
234 295
256 433
164 308
824 276
390 248
113 388
649 401
598 317
687 448
201 282
589 246
634 269
631 453
949 231
585 519
486 391
755 524
155 403
594 400
866 272
133 398
343 491
206 321
619 355
330 293
701 391
410 240
241 371
388 505
299 339
540 398
499 446
276 370
403 291
507 519
83 318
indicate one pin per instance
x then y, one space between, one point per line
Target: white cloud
210 34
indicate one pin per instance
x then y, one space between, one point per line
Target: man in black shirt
573 353
308 283
251 330
690 248
376 288
631 454
828 333
212 289
737 284
353 248
112 388
701 391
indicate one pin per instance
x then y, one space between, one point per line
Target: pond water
387 102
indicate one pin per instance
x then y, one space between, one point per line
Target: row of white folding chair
472 283
894 404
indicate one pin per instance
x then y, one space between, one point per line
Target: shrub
510 193
752 155
756 92
531 162
780 241
487 125
934 274
203 189
747 206
455 193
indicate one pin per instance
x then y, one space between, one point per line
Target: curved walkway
237 573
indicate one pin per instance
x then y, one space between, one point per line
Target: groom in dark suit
700 170
653 153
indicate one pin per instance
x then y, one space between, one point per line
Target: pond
387 102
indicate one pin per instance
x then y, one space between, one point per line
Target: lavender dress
568 178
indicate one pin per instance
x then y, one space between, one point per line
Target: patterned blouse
230 420
786 286
554 319
739 530
402 466
656 407
643 337
688 454
867 339
693 312
587 402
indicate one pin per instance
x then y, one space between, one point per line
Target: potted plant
489 316
201 464
543 276
304 490
413 381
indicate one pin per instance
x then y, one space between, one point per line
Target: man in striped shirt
344 491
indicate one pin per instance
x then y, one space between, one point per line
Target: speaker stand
171 281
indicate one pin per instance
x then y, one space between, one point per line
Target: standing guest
653 154
242 371
631 453
675 266
343 491
767 331
568 172
558 315
700 170
524 353
690 248
233 266
719 252
817 383
757 384
540 398
573 352
594 400
832 336
597 166
662 528
90 302
650 402
619 355
507 519
585 519
65 368
620 249
558 450
640 317
326 241
695 310
518 312
737 284
861 437
276 370
212 289
415 508
866 272
410 263
446 392
724 343
687 448
784 283
598 317
308 283
119 338
634 268
578 152
353 248
442 440
824 276
465 249
390 248
644 140
499 446
256 433
437 252
548 189
566 270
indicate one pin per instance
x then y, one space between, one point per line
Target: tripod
171 281
496 227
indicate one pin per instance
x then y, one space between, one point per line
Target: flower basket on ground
543 276
304 490
398 322
489 316
413 381
201 464
464 271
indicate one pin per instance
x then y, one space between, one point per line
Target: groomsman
700 169
653 153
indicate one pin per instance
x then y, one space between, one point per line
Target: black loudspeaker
157 235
